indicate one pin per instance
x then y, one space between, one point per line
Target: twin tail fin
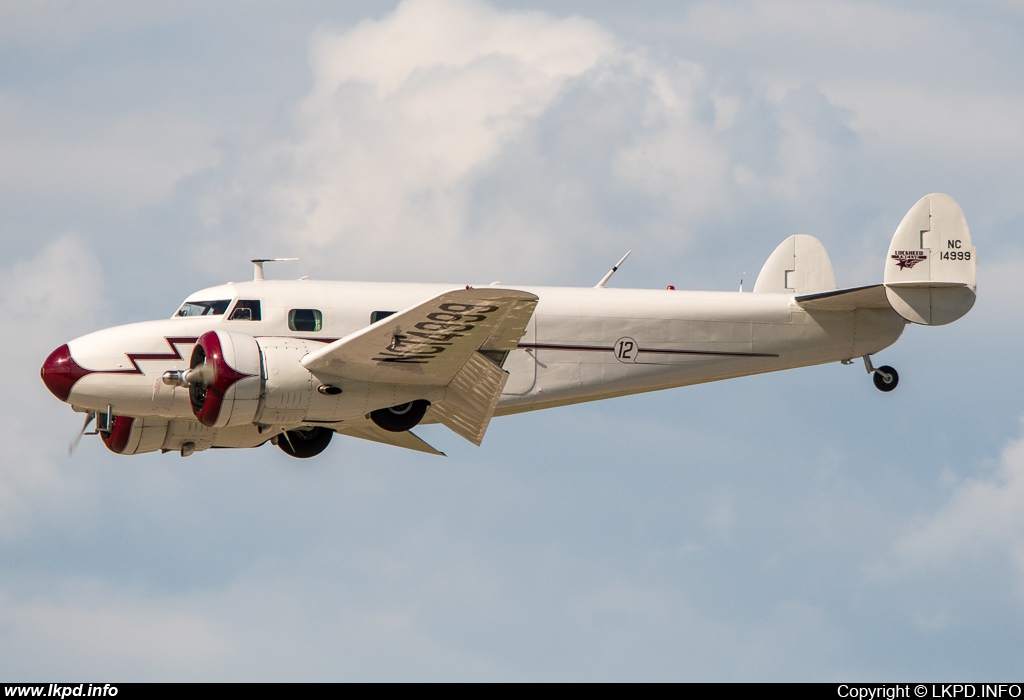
930 270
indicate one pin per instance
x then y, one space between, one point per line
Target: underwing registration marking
431 337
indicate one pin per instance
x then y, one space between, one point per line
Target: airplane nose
60 372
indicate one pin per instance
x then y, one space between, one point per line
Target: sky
793 526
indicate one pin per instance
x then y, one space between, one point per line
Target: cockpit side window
246 310
306 320
203 308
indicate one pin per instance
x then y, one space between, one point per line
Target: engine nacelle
231 392
293 395
234 379
289 388
132 436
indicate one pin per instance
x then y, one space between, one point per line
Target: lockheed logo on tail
906 259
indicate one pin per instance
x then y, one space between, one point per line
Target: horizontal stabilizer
870 297
406 439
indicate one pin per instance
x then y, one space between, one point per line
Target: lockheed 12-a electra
295 362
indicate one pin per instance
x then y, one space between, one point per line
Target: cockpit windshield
203 308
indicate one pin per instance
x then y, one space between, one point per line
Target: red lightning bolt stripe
136 357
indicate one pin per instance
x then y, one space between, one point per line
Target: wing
430 342
870 297
456 340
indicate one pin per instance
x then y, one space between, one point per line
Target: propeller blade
287 439
78 438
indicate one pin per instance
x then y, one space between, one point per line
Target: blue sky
786 527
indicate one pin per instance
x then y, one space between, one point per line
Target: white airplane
294 362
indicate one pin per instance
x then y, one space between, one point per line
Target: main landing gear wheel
305 443
885 378
398 419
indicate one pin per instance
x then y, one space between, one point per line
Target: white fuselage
582 344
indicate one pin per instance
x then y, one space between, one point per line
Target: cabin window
378 315
204 308
246 310
305 320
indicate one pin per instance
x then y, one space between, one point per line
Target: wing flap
471 398
870 297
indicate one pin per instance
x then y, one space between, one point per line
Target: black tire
305 443
402 417
880 383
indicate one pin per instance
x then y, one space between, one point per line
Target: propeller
197 380
202 375
209 376
78 438
287 439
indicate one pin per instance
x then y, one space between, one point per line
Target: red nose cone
60 372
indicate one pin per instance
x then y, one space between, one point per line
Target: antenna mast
604 280
257 273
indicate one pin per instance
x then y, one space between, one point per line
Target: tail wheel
398 419
885 378
305 443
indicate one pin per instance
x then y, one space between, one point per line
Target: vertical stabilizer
931 269
799 265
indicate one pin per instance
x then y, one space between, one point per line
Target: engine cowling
289 390
293 395
228 391
234 379
132 436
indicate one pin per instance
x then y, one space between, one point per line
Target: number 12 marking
626 350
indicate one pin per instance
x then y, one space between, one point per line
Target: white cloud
677 155
451 135
984 517
116 164
784 41
403 111
928 124
426 35
44 301
929 91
